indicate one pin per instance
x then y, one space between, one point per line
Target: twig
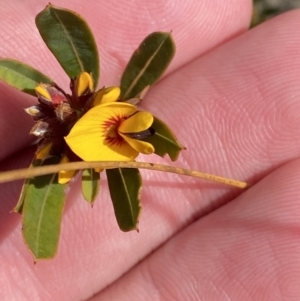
43 170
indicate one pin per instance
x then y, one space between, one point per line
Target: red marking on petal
110 129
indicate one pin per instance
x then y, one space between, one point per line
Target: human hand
236 110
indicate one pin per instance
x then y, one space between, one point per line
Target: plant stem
43 170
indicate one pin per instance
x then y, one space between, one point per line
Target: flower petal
110 94
138 122
88 137
64 176
139 145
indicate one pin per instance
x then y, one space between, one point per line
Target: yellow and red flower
111 132
94 126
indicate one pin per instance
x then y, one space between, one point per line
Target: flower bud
84 84
40 129
50 94
104 95
43 151
64 112
35 111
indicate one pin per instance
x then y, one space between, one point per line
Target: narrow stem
43 170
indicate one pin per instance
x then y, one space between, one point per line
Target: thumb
246 250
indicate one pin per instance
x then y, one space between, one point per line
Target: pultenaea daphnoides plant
88 124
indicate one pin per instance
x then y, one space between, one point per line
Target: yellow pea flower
111 132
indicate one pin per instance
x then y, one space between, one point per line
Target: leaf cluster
42 199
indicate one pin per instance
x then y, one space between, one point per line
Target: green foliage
124 186
70 40
42 198
21 76
42 213
164 141
147 64
90 185
23 195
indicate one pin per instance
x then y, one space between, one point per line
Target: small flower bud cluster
56 111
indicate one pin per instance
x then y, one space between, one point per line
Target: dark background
265 9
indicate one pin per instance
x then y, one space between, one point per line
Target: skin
232 98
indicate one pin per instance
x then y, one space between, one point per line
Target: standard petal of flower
92 138
138 122
64 176
110 94
140 146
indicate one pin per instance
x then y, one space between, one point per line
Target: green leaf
19 206
70 40
164 141
21 76
42 214
124 186
90 184
147 64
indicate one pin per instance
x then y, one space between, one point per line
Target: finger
223 128
246 250
170 203
236 109
118 28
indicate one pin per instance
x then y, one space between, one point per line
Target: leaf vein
143 69
42 215
71 42
127 193
166 138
